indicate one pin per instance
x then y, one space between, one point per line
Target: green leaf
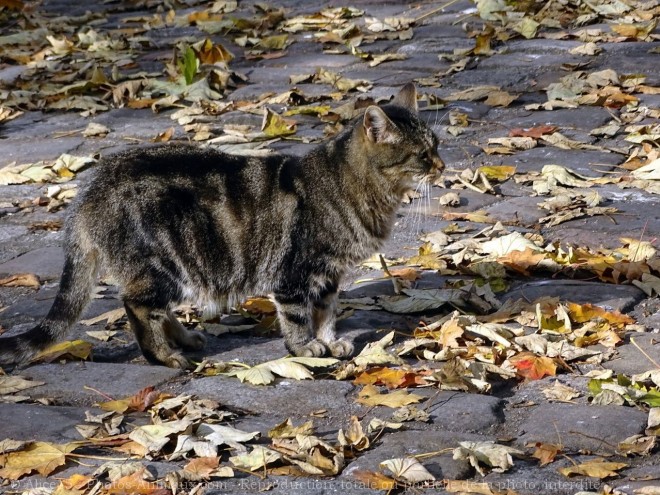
189 65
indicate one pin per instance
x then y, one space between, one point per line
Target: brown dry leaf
407 469
390 377
76 484
135 484
78 349
140 401
374 480
533 367
42 457
582 313
533 132
21 280
475 216
203 467
110 316
354 437
468 487
370 396
560 393
10 384
522 261
637 445
164 136
406 273
595 469
287 430
546 452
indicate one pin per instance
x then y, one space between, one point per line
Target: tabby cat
175 223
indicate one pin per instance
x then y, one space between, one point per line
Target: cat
172 223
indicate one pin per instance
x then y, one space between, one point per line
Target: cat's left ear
379 128
407 98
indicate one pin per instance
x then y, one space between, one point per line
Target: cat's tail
78 278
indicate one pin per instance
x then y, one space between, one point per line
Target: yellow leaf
42 457
260 306
497 172
375 481
595 469
79 349
287 430
21 280
370 396
274 126
582 313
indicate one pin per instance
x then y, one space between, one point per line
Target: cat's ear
407 98
379 128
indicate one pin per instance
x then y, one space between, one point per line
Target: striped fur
175 223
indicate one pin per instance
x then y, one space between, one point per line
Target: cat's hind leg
294 315
180 336
148 325
325 317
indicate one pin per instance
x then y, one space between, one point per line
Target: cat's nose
438 165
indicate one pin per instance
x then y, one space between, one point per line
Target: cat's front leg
325 318
294 314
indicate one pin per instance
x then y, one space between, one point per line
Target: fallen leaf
370 396
495 456
560 392
78 349
407 469
21 280
287 430
533 367
546 452
288 367
374 480
595 469
135 484
10 384
42 457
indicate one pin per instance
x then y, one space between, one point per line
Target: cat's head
399 144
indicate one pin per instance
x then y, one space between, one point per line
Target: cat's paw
313 348
340 348
192 340
409 195
177 360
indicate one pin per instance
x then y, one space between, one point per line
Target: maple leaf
533 132
42 457
533 367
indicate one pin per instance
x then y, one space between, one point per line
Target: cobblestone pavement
517 414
